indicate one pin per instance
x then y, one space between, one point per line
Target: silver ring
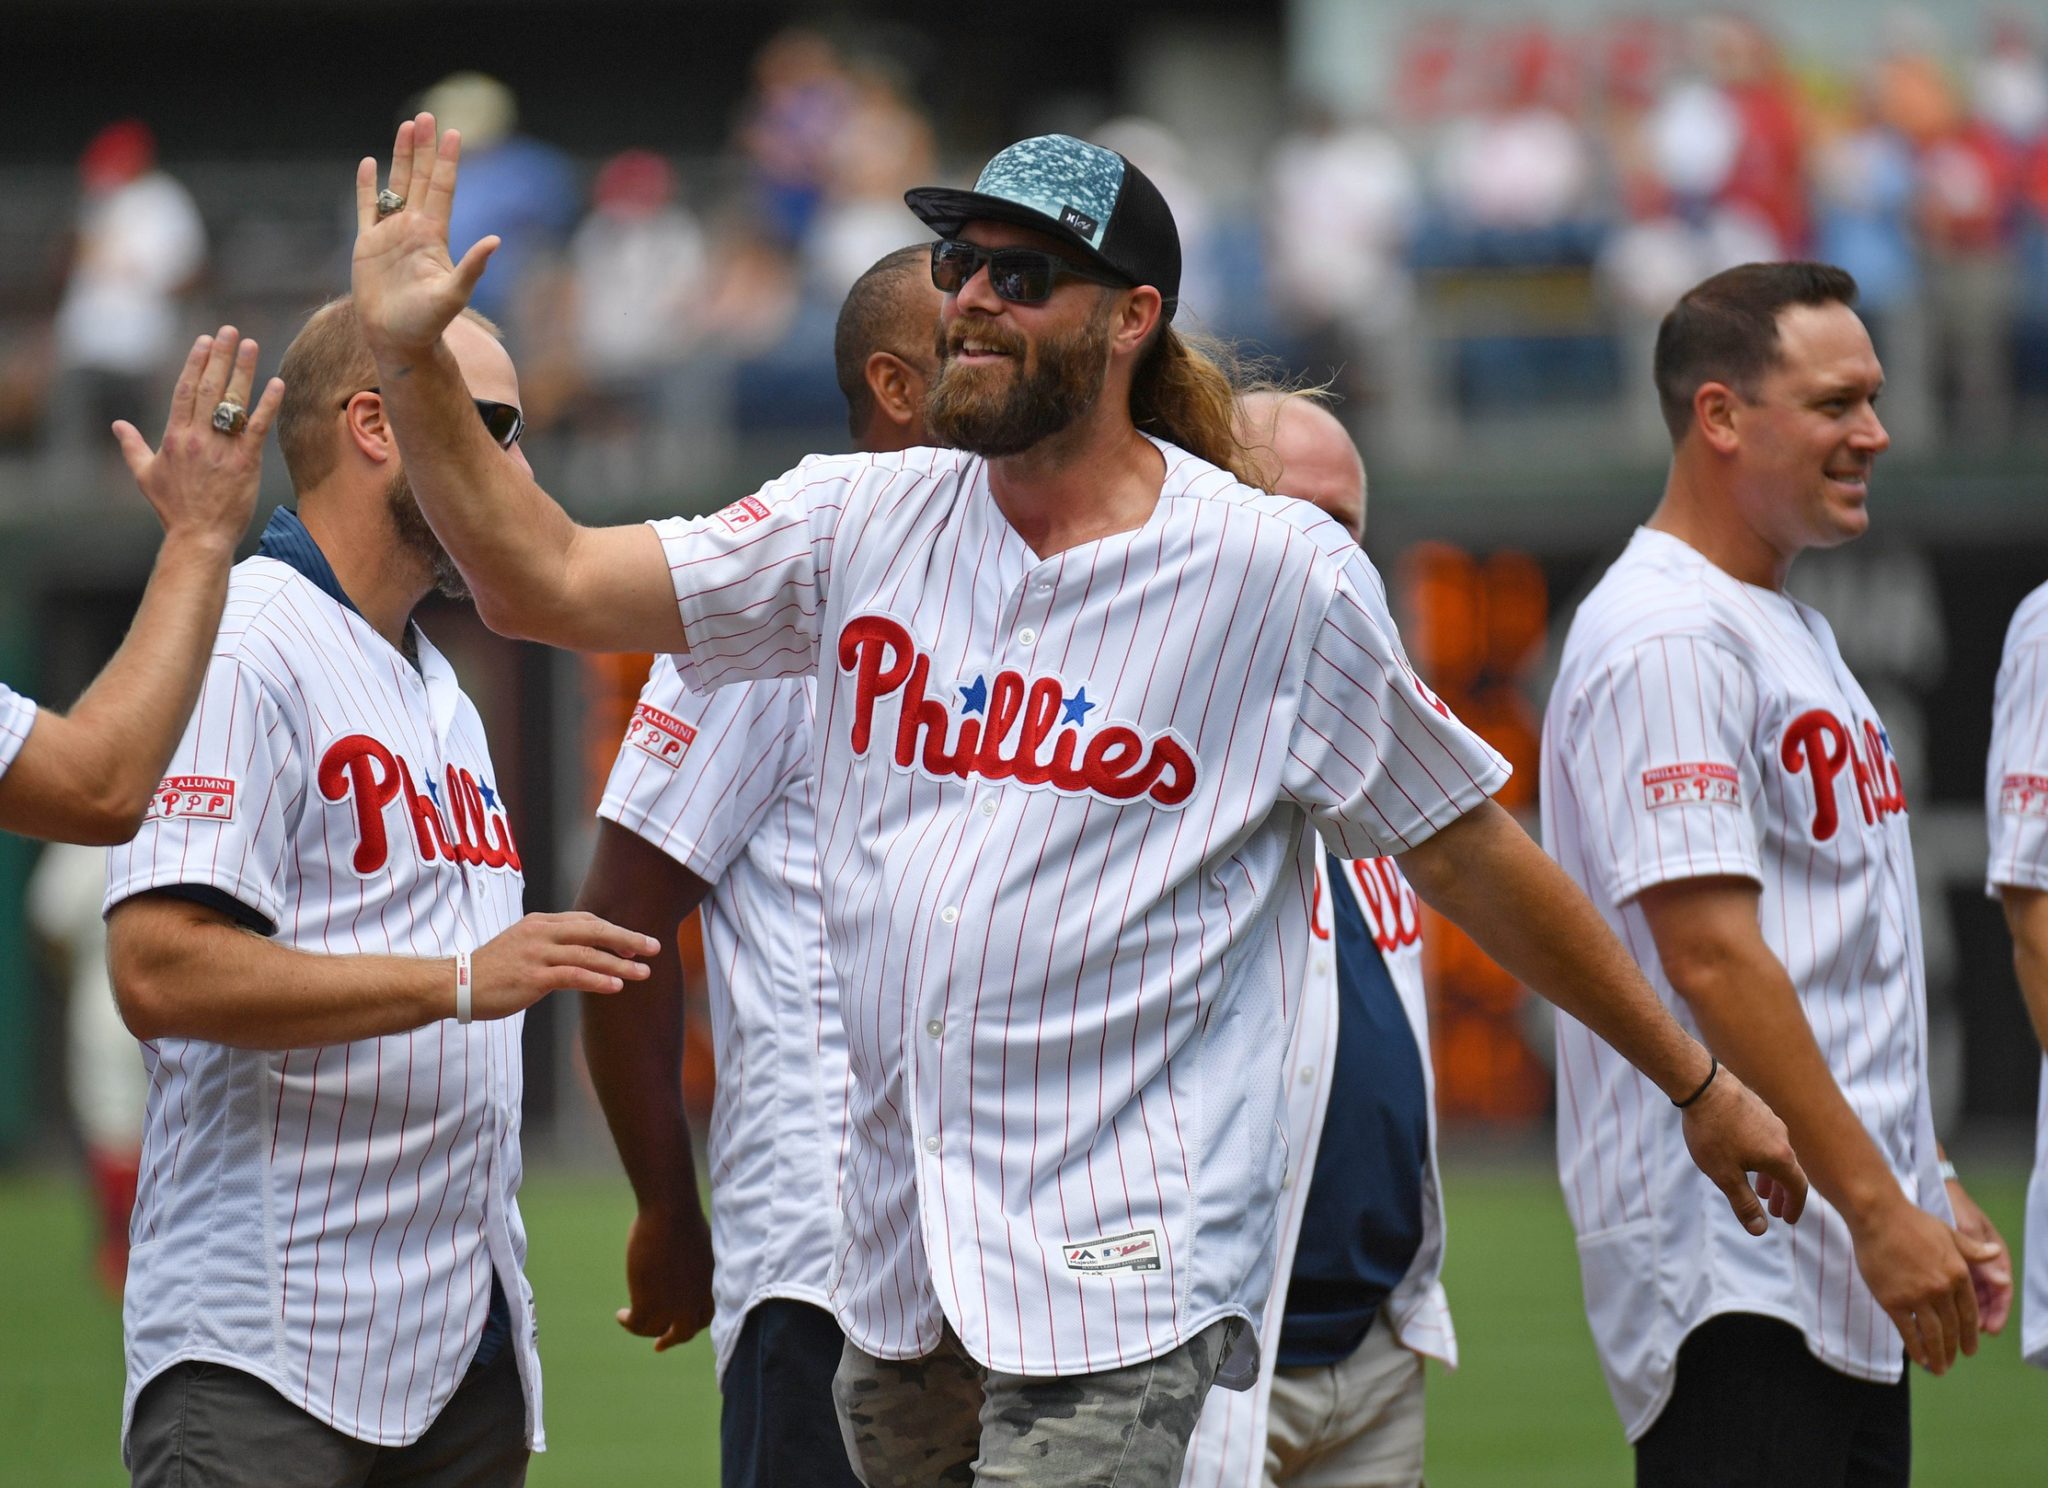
389 201
230 417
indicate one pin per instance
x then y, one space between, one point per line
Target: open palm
407 288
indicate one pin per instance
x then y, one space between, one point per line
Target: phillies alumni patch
2024 795
1691 785
207 797
1137 1251
660 734
743 513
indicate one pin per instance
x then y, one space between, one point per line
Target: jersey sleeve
697 772
1376 760
1659 768
751 580
17 717
2016 781
221 821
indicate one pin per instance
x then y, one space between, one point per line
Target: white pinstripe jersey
1228 1449
722 783
328 1219
1701 726
17 717
2016 805
1063 841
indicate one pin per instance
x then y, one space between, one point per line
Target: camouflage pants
943 1419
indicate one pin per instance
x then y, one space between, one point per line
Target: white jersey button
1026 636
931 1144
988 806
933 1027
1308 1074
949 914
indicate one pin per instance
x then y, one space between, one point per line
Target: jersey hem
774 1291
2012 874
1093 1363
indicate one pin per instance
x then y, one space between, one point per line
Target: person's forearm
1485 875
633 1045
179 972
1747 1009
88 776
510 538
2026 915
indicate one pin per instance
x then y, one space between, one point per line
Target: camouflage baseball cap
1090 197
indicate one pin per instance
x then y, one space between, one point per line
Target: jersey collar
286 539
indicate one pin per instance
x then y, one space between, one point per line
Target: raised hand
1731 1134
407 289
202 480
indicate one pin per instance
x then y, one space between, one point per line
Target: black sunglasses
504 422
1023 276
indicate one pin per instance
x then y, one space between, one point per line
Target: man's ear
1138 312
367 427
1715 410
896 386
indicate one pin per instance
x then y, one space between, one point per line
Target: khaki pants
1355 1424
945 1420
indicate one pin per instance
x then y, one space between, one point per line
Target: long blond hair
1186 391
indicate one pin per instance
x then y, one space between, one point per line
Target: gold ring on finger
230 417
389 201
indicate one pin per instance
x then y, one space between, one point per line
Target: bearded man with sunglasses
1082 694
317 935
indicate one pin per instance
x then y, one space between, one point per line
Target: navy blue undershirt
286 539
1362 1223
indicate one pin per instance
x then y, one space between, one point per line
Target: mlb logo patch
2023 795
206 797
660 734
744 513
1691 785
1136 1251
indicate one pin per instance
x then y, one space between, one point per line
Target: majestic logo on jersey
1820 745
1701 784
474 831
1393 912
1006 727
1137 1251
2020 795
660 734
204 797
744 513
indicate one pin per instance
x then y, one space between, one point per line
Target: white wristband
1948 1172
462 987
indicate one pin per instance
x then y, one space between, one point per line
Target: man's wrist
205 540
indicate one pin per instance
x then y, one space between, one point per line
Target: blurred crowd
1499 232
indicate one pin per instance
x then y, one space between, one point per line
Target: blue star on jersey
490 796
1075 709
974 696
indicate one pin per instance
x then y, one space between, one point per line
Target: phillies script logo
1393 912
659 734
475 831
1819 744
205 797
1010 727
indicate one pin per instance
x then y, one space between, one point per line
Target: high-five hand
407 288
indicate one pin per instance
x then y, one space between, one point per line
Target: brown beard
417 538
1048 387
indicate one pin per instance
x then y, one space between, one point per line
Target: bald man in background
1339 1400
712 802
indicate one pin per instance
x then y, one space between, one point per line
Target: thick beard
994 412
416 537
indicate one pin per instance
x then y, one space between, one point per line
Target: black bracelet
1712 1070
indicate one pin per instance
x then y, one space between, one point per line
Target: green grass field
1527 1410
